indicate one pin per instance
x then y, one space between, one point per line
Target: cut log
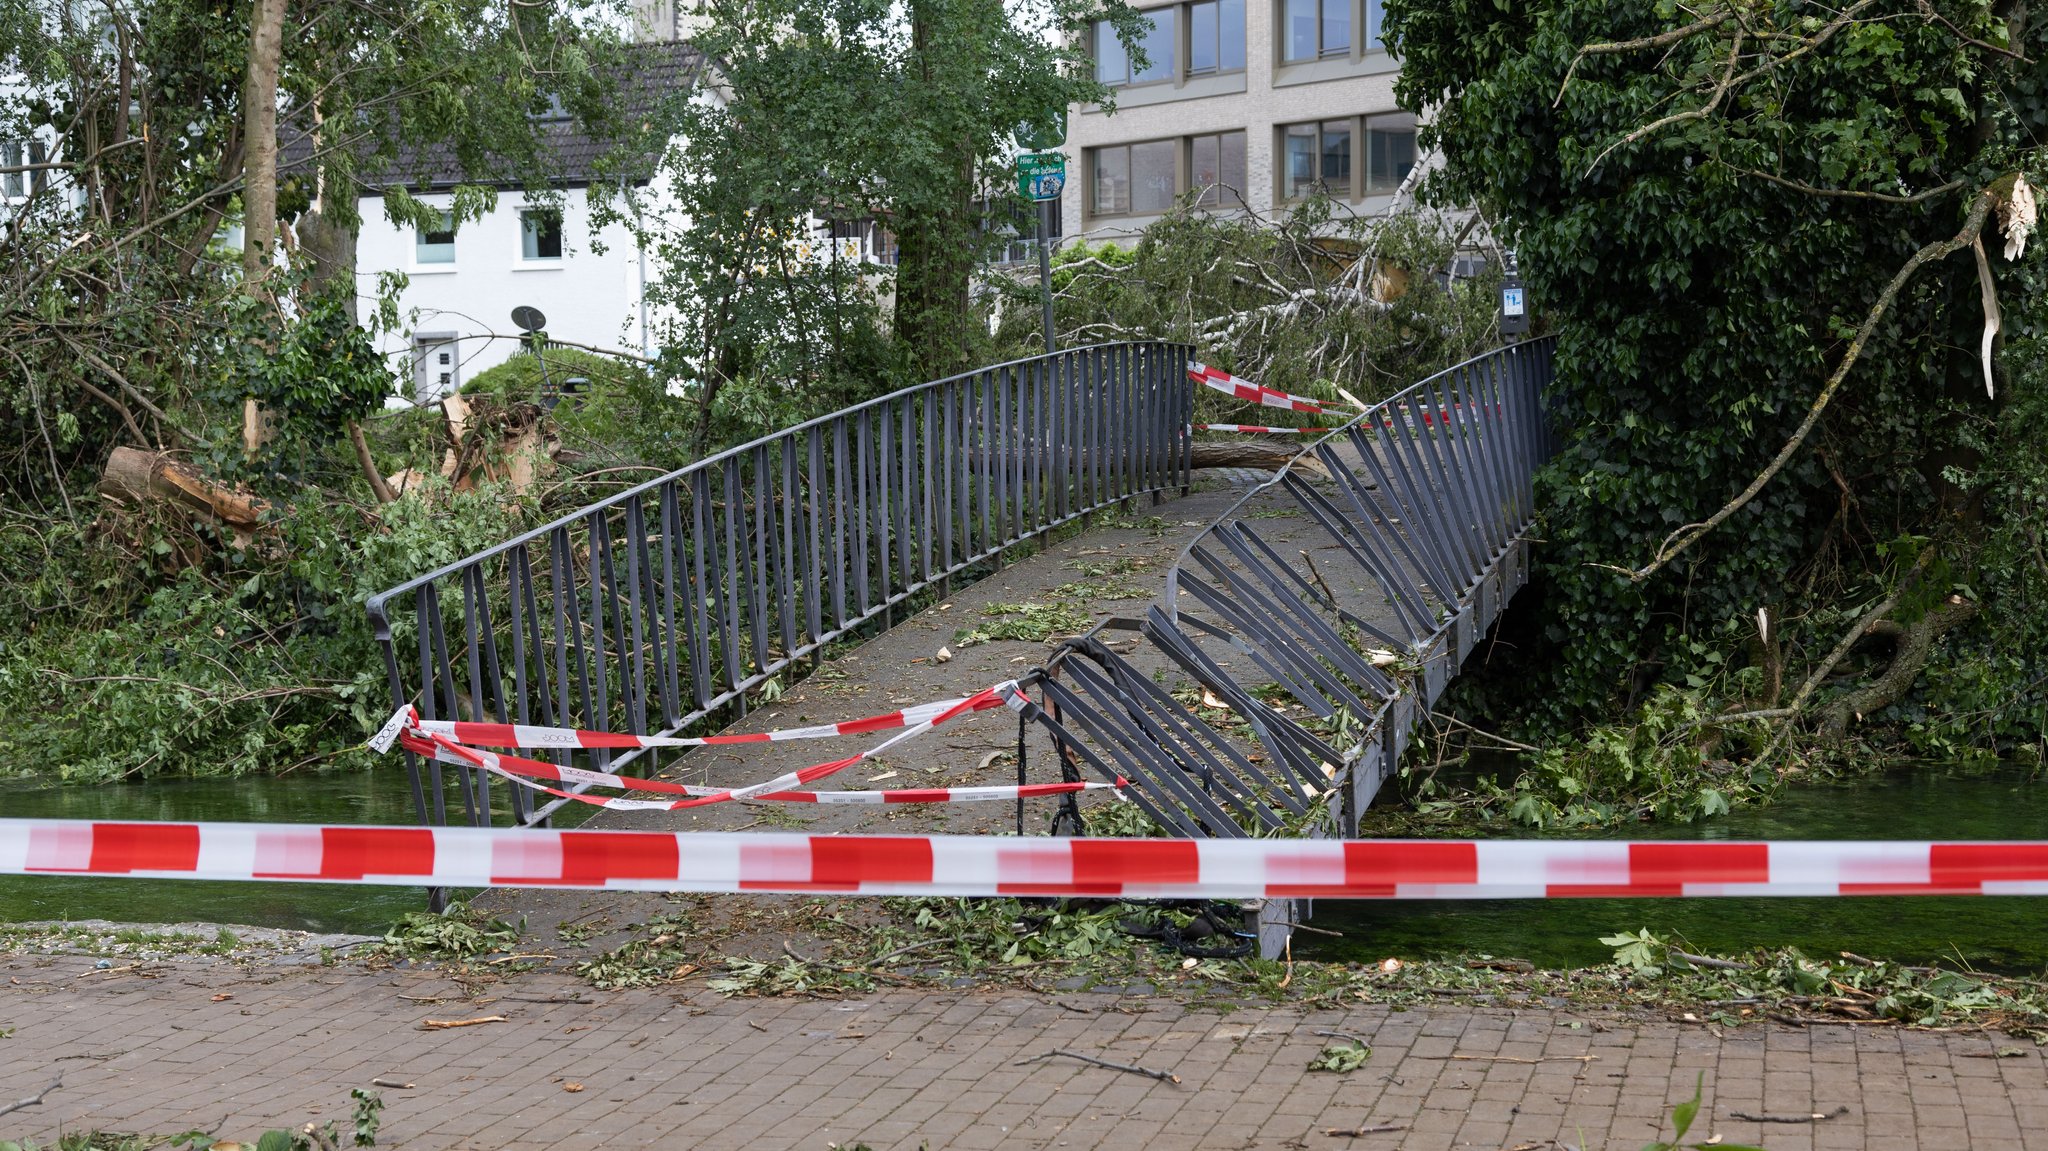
139 477
1247 454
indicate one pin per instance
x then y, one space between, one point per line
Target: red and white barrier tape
1219 380
1222 381
530 736
1260 429
525 772
1001 865
442 740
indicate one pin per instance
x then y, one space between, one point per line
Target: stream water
1928 803
1996 933
352 797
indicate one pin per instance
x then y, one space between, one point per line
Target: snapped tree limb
1677 542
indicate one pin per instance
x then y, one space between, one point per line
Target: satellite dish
528 319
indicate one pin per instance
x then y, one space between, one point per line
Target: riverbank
547 1061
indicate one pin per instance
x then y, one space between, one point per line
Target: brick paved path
161 1052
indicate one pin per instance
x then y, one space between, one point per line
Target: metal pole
1045 208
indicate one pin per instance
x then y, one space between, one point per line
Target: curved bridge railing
1306 660
665 603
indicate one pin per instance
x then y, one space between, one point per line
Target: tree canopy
1755 227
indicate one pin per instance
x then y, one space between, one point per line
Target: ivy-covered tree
1782 245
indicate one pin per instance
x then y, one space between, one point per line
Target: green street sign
1044 133
1041 175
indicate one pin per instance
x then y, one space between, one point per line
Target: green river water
1995 933
1930 803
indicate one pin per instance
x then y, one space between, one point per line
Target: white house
463 282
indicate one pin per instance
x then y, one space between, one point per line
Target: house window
1134 179
15 184
1389 151
1215 37
436 244
1313 29
540 234
1216 169
1316 156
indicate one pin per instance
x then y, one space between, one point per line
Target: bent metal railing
663 604
1420 505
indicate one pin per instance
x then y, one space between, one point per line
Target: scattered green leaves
1342 1057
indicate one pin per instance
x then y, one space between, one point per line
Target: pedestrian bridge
1268 690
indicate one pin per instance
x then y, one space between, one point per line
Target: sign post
1041 177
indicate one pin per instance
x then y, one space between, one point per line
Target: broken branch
1813 1118
445 1024
37 1098
1660 40
1134 1069
1685 537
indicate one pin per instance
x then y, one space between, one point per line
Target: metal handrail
1428 493
664 603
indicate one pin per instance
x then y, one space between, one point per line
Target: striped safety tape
531 736
525 772
1000 865
1260 429
439 740
1219 380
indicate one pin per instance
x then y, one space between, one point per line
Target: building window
1146 179
1215 37
1216 169
1113 65
1316 156
1375 20
540 234
1315 29
1214 42
1134 179
1389 151
435 245
13 185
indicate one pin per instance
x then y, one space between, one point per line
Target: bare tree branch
1685 537
1700 113
1848 193
1660 40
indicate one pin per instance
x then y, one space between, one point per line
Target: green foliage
1642 952
1031 622
1682 1116
1701 292
625 417
1341 1058
237 661
1290 303
459 933
770 320
655 958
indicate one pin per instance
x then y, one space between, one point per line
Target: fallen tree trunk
1246 454
139 477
